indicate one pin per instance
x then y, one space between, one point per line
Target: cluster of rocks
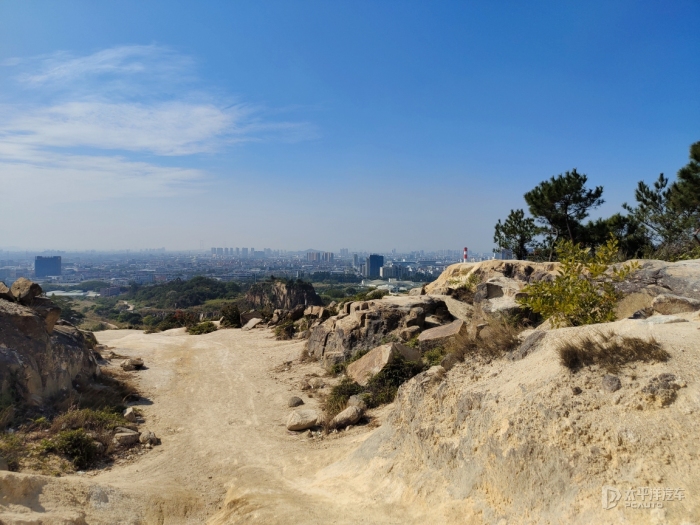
285 295
40 355
364 325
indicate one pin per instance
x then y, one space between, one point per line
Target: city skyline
295 124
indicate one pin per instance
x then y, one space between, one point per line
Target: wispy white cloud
96 112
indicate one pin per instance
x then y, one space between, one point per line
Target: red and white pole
466 254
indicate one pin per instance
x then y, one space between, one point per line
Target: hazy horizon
285 125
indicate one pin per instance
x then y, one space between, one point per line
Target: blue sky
366 125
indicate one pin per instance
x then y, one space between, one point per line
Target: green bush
383 386
285 330
202 328
231 316
77 445
582 293
339 395
434 356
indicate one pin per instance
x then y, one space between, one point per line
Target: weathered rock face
37 359
5 293
680 278
283 295
25 290
369 365
362 325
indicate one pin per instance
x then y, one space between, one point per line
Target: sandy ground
219 404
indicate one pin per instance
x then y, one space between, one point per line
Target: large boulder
302 419
5 292
668 304
24 290
283 294
36 364
442 336
369 365
349 416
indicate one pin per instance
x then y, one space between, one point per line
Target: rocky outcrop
363 325
38 358
442 336
285 295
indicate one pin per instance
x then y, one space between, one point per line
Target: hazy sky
366 125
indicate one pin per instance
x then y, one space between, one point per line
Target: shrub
88 419
12 449
339 395
383 386
202 328
494 338
434 356
231 316
178 319
609 352
285 330
77 445
582 293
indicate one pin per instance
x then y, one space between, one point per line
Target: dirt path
219 404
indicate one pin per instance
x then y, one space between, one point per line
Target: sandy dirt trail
219 403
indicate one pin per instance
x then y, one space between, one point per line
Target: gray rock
295 402
409 333
668 304
442 335
126 438
611 383
575 390
529 345
133 363
130 414
47 310
349 416
148 437
302 419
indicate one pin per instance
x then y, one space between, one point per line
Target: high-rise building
372 265
238 252
343 252
213 251
45 266
327 257
220 251
355 260
244 252
313 256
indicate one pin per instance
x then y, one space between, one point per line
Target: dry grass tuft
609 351
489 338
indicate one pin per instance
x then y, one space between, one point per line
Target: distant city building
327 257
355 260
45 266
344 252
213 251
372 265
313 256
110 292
238 252
244 252
226 252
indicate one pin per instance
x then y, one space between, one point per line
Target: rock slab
369 365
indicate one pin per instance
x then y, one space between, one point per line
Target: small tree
517 233
562 202
583 291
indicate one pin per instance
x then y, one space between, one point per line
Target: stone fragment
611 383
295 402
148 437
130 414
255 321
133 363
349 416
442 335
668 304
126 438
302 419
24 290
375 360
